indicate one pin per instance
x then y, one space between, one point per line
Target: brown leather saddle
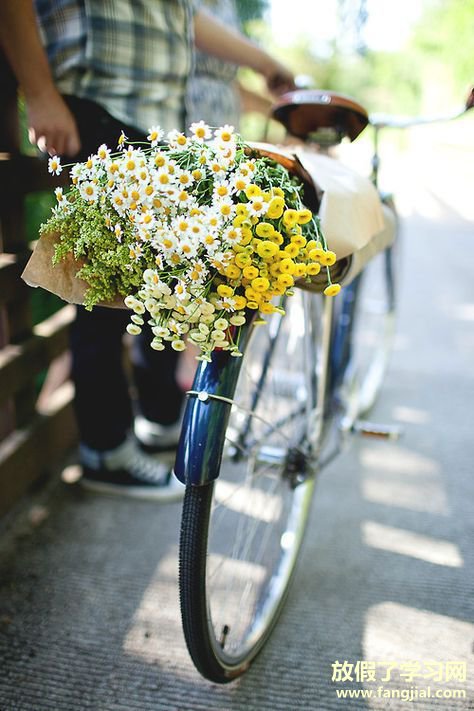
306 112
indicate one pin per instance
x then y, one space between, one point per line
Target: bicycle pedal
377 431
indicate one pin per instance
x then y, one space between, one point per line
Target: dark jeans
103 404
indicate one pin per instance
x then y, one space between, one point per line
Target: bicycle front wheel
240 534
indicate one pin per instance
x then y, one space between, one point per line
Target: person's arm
51 124
251 101
213 37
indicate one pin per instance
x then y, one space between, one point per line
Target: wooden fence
33 437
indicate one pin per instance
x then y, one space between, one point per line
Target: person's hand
279 79
51 126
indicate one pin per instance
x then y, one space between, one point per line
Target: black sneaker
127 471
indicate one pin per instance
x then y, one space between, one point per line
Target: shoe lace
145 467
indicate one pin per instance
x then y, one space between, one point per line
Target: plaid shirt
132 57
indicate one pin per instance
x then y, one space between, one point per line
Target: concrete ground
88 592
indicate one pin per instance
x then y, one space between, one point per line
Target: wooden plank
11 267
32 451
7 410
19 363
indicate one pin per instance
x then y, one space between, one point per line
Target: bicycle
258 429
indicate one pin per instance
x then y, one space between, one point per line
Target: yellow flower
267 249
292 250
252 190
278 191
241 209
316 254
275 208
233 271
250 272
252 305
313 268
247 235
332 289
328 258
300 270
304 216
260 284
287 266
239 220
243 259
290 217
224 290
267 308
277 238
299 240
264 229
285 280
240 302
252 295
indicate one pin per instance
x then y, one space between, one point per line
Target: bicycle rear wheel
240 535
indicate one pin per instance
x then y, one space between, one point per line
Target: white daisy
201 131
155 134
89 191
54 165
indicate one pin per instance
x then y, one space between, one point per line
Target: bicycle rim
241 534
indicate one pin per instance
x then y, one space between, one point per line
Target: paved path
88 597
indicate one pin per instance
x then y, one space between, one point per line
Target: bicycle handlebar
379 120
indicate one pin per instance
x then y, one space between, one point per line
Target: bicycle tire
241 534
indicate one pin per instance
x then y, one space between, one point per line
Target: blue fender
199 453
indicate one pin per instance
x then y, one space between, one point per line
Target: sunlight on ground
425 496
396 476
462 312
399 460
417 651
157 616
409 543
411 415
399 632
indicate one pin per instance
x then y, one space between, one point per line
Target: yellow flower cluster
271 255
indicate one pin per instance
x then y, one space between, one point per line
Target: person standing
88 71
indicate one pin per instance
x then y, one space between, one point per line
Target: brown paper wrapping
61 279
348 205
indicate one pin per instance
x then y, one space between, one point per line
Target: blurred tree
251 10
443 40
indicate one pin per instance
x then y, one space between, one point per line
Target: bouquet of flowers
194 232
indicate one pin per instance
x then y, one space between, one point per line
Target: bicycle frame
210 400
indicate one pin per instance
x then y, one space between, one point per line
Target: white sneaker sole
173 492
